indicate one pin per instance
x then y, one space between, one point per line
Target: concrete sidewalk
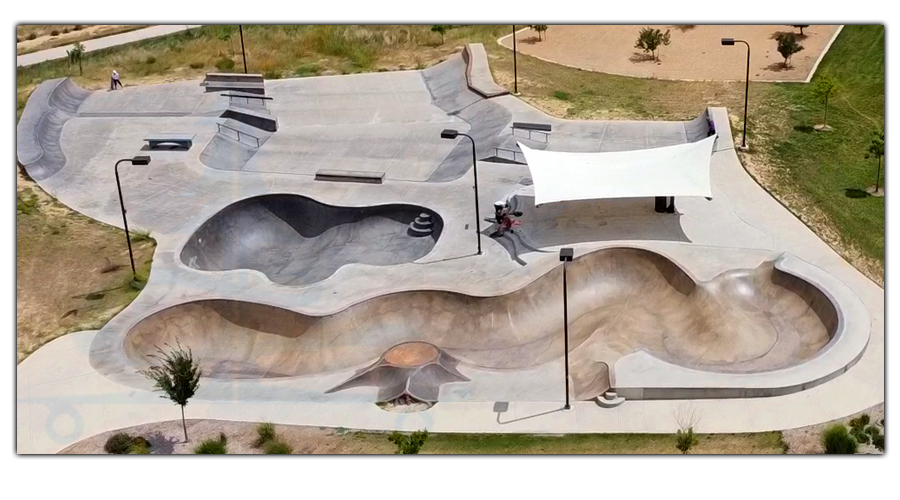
103 43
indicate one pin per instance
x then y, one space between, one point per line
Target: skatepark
317 251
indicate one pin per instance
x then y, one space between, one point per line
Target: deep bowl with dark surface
295 240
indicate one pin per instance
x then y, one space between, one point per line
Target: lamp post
452 134
137 160
731 41
565 256
243 54
515 72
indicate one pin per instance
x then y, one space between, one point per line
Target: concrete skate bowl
51 105
296 241
621 301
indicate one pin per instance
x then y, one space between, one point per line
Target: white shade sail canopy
680 170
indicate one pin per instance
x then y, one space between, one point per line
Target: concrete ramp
478 72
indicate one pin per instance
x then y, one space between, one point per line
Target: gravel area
807 440
695 51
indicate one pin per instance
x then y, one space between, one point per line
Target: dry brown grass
60 256
67 35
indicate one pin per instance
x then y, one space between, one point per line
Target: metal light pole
565 256
731 41
243 53
515 72
453 134
137 160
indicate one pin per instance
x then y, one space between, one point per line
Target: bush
872 430
18 39
225 64
197 65
271 74
118 444
78 27
65 30
860 436
54 33
213 446
860 422
31 36
408 445
276 447
878 441
140 446
265 432
561 95
150 60
685 440
836 440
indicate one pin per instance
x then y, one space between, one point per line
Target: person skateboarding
115 81
503 219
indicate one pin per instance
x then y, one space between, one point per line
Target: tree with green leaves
177 376
440 28
685 440
75 55
540 28
788 46
876 149
826 87
408 444
650 39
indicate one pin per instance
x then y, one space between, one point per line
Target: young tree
540 28
825 88
408 445
876 149
440 28
788 46
177 376
685 440
75 55
649 40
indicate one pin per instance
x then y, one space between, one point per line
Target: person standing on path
115 81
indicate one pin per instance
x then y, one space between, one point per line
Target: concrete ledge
478 72
642 376
350 176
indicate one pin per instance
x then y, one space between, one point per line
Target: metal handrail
497 151
246 99
239 133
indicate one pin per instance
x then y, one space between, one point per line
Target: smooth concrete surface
104 42
83 384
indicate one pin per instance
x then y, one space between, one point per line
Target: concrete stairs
610 399
421 226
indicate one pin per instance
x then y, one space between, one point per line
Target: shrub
225 64
836 440
276 447
271 74
872 430
197 65
562 95
685 440
140 446
31 36
65 30
878 441
860 422
118 444
650 39
150 60
408 445
78 27
213 446
18 39
308 70
54 33
787 47
265 432
860 436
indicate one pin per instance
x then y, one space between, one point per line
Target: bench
350 176
184 141
541 128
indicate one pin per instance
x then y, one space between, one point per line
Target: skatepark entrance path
695 51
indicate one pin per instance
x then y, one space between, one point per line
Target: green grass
488 444
829 168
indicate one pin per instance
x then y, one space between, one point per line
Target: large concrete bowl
621 300
295 240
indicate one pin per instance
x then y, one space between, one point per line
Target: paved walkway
102 43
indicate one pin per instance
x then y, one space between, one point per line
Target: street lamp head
449 133
140 160
728 41
566 254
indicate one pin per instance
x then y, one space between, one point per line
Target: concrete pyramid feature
409 370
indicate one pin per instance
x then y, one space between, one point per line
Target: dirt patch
72 272
808 440
695 53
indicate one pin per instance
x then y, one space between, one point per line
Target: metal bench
235 96
184 141
541 128
350 176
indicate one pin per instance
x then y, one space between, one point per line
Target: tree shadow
160 444
530 40
639 57
683 27
855 193
778 66
806 129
